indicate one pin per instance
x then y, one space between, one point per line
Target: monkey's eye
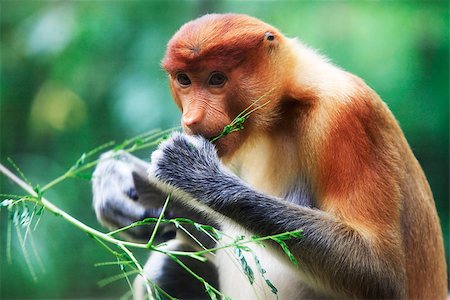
183 79
217 79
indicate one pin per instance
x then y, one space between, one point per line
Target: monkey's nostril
193 116
189 120
132 193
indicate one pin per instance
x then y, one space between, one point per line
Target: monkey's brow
221 52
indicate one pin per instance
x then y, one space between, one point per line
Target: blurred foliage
77 74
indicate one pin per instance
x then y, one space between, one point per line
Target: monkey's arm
341 256
123 195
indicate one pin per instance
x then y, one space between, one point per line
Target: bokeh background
76 74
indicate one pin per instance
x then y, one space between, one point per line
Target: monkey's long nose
193 117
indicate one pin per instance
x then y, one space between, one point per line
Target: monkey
324 154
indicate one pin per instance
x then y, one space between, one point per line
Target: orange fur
206 43
322 124
368 176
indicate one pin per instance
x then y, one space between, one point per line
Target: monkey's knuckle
175 141
155 162
107 155
209 147
194 141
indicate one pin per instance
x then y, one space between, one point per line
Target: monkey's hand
189 167
123 194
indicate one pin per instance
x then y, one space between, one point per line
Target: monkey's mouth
206 136
227 145
210 134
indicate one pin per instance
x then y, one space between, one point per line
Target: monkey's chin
227 145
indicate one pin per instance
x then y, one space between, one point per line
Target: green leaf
16 217
120 146
18 170
79 162
210 292
113 263
290 235
7 202
25 217
272 287
38 191
157 294
239 238
258 265
286 250
263 272
39 210
217 234
245 266
114 278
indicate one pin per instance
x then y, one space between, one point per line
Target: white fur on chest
235 284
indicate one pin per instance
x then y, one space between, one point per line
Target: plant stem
193 237
155 229
141 270
104 236
57 211
148 136
68 174
237 122
252 240
195 275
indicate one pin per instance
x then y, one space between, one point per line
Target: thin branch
57 211
155 229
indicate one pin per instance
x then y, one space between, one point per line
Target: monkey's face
218 65
209 101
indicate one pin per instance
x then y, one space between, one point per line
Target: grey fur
116 175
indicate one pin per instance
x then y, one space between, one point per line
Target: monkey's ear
270 39
269 36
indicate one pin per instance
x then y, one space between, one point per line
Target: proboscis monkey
325 155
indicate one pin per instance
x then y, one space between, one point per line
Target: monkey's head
218 65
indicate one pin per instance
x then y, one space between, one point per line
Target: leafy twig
127 259
237 123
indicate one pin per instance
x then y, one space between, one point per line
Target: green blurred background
77 74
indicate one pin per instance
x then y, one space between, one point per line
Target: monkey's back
423 242
426 271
